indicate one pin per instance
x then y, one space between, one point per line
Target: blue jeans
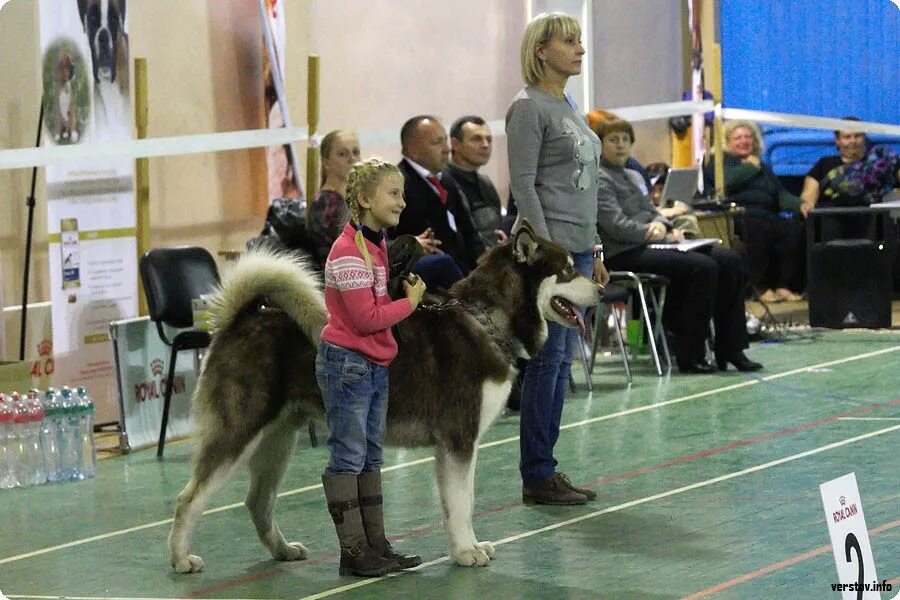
543 393
355 392
439 271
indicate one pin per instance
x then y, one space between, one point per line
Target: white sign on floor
850 540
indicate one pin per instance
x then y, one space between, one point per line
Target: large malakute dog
448 383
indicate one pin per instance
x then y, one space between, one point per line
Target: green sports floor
708 488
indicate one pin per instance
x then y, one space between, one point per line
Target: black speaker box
850 284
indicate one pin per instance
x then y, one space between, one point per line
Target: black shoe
586 492
696 366
552 491
740 362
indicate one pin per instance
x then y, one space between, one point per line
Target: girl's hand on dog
414 287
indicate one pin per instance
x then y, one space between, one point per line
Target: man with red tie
435 210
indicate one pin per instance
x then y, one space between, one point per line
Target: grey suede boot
357 556
371 503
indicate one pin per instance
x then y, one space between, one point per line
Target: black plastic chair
172 278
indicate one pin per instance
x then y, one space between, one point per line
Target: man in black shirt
471 143
852 147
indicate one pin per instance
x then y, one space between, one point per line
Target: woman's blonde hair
363 180
750 126
538 32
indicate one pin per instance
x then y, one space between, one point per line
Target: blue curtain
828 58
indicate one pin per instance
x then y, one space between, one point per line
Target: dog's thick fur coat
258 382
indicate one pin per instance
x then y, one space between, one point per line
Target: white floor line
869 419
397 467
623 506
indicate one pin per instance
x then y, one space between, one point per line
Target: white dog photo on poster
104 25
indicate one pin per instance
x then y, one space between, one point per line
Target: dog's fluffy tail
285 279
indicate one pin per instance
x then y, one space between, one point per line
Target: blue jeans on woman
544 391
355 392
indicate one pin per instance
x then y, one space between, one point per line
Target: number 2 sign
849 539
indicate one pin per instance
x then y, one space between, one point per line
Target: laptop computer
681 186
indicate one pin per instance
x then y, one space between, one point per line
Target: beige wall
637 53
395 59
382 61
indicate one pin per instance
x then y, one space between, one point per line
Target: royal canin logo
156 367
845 512
156 387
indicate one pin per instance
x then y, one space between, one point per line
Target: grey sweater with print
553 169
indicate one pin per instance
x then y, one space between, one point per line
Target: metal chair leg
659 330
167 399
599 315
646 314
621 344
584 363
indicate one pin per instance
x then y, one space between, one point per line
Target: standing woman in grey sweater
553 167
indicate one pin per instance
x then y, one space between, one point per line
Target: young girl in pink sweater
352 367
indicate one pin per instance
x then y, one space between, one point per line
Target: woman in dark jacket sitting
770 228
705 284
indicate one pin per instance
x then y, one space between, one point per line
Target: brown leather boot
371 504
357 556
586 492
552 491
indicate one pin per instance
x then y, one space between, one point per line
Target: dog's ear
525 243
82 11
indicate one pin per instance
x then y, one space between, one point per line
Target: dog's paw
486 547
472 557
188 564
291 551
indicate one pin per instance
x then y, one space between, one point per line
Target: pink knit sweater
360 312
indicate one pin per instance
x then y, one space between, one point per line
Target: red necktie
442 191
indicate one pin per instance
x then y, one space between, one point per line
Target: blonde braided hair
363 180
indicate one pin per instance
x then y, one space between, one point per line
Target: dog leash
508 347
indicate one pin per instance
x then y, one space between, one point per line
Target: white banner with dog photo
91 215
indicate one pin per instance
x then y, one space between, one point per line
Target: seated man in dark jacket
435 211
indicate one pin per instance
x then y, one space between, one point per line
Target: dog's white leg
455 479
189 507
267 466
486 547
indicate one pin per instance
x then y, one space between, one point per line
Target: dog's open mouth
567 311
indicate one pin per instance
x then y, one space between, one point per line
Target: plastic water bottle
53 414
88 454
69 435
30 458
7 422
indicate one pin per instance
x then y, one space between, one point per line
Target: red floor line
411 533
754 440
788 562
